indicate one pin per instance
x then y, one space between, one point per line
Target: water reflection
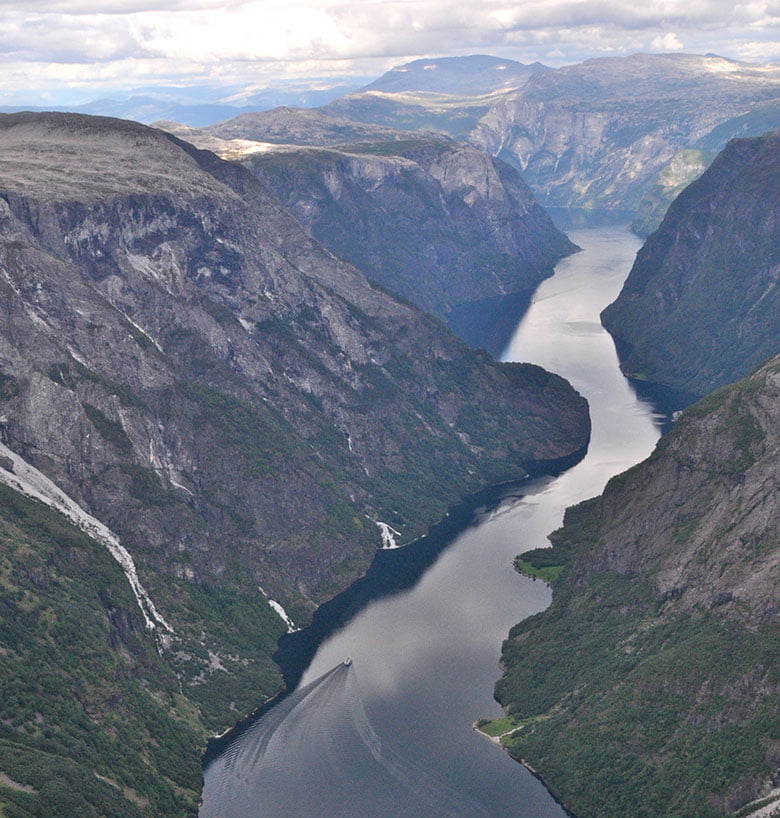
328 714
425 656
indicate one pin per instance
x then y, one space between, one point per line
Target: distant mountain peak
463 76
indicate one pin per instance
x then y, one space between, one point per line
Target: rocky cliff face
439 223
594 135
701 305
652 680
221 402
685 167
435 221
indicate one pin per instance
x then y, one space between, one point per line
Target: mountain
197 106
687 165
453 116
650 686
683 168
439 223
700 306
236 417
594 135
447 95
459 76
295 126
435 221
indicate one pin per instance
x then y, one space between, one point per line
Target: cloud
669 42
65 42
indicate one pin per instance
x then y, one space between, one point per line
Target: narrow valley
424 661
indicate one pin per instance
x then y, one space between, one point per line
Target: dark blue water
391 734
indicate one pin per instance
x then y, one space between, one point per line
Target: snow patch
389 535
280 611
247 325
27 480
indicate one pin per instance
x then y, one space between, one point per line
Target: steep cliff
701 305
222 403
685 167
594 135
435 221
650 686
439 223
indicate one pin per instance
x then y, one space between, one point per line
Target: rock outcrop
652 679
701 305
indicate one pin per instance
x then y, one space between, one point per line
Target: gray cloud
70 42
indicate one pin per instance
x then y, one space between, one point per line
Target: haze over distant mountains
617 135
458 76
198 105
593 135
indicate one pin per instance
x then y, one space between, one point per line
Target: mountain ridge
238 406
700 306
652 678
433 220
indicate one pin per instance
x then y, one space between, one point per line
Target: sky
57 49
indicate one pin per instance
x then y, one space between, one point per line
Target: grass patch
547 573
499 727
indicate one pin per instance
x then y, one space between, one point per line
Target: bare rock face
239 406
701 305
594 135
437 222
658 656
700 517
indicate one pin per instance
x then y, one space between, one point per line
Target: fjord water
391 733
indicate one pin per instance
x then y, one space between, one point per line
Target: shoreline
496 741
296 649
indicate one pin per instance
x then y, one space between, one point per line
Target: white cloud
70 42
669 42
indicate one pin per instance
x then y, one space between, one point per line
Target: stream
390 733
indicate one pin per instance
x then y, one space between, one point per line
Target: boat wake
325 723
